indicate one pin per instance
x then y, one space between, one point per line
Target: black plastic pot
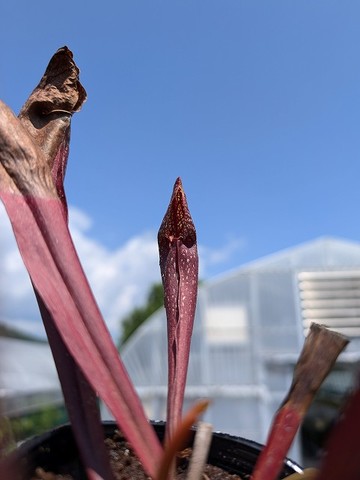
56 451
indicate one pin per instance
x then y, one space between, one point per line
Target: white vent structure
331 298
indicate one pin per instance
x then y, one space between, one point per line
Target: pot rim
230 452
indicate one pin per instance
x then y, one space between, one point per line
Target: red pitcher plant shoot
179 272
35 205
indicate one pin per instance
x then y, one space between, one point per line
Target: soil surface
126 466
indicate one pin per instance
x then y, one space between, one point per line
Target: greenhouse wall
28 377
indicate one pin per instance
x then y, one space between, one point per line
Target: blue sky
255 104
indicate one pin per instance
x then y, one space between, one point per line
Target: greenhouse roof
322 252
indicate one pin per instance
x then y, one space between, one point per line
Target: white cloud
120 278
211 257
17 301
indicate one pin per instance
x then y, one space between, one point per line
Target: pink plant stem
319 353
51 256
50 130
179 271
81 403
39 224
342 458
283 431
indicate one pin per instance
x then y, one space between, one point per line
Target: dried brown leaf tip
46 115
179 271
59 89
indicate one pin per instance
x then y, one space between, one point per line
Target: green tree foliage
138 315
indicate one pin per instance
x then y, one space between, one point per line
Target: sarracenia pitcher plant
34 150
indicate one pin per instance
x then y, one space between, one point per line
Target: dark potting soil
126 466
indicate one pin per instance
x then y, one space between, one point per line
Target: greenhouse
250 326
28 377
